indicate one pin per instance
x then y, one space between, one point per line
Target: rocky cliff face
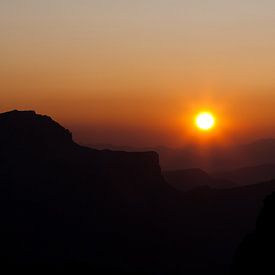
29 138
255 254
63 203
25 129
79 209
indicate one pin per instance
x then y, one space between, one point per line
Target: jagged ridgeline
68 207
66 204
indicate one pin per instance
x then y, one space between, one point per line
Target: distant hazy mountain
187 179
65 207
249 175
193 178
214 158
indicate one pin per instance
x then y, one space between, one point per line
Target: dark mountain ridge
52 189
255 253
215 159
249 175
80 209
188 179
26 128
25 133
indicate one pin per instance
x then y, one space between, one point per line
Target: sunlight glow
205 121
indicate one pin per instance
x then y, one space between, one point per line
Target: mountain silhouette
215 159
70 208
20 130
188 179
256 252
249 175
63 203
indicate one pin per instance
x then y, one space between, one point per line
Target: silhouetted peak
25 129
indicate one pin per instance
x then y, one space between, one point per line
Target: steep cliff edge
64 204
83 209
255 254
31 140
25 129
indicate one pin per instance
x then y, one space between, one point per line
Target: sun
205 121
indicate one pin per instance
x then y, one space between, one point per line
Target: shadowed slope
256 252
67 206
62 203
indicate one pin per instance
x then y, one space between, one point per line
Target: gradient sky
135 72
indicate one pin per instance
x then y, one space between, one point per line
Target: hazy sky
135 72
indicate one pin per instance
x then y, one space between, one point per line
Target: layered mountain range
73 208
213 159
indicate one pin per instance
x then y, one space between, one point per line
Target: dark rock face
63 204
255 254
72 208
26 128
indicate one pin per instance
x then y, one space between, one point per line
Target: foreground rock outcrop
62 204
70 208
255 254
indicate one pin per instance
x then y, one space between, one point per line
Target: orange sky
136 72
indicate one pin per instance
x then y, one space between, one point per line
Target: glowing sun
205 121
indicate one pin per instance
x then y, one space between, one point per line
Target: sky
136 72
